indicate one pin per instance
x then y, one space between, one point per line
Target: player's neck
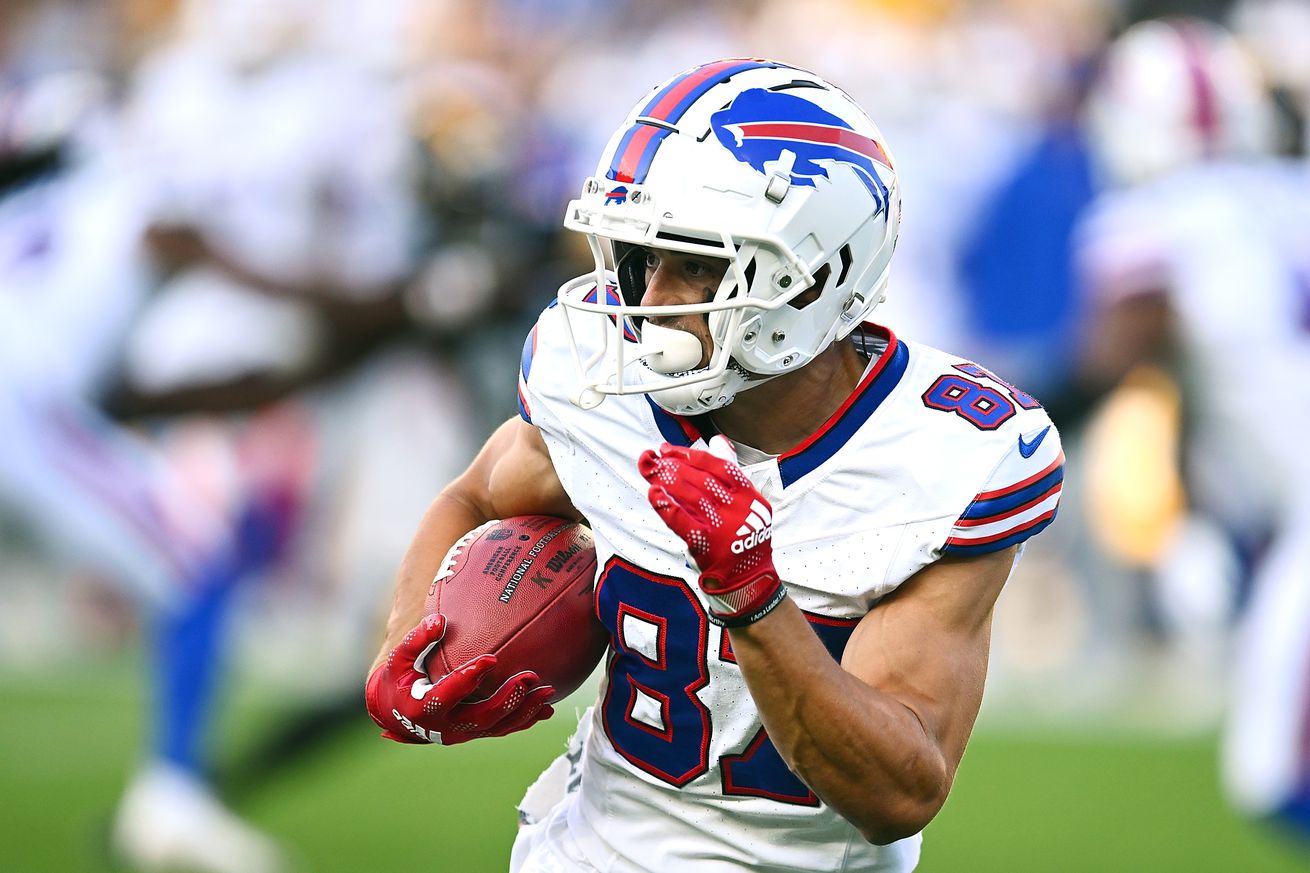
781 413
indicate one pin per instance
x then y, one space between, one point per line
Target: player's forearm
512 475
447 518
860 750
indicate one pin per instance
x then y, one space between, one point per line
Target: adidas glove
706 499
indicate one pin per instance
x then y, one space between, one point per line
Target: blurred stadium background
340 219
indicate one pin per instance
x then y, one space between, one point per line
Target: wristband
743 599
744 619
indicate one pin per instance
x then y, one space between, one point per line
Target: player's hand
706 499
411 708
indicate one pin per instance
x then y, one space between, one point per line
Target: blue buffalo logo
616 195
760 125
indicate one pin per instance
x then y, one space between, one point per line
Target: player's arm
512 475
879 737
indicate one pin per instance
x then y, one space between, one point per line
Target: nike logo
1026 449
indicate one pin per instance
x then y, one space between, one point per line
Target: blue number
651 713
985 408
1023 398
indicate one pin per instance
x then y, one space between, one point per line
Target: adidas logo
756 529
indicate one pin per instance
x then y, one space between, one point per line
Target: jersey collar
832 434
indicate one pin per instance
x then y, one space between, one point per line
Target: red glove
410 708
706 499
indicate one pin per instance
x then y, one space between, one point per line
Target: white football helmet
763 165
1172 92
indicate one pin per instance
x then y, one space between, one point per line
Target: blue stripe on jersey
525 369
529 351
884 378
1000 505
669 426
523 407
1013 539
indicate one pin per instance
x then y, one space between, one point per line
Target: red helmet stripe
1205 104
638 146
824 133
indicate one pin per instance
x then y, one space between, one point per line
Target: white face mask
764 166
662 362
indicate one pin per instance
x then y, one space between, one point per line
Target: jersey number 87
651 712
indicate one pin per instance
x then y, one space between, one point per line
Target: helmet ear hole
846 260
750 280
815 291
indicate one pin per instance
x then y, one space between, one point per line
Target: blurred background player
265 280
100 497
294 321
1196 260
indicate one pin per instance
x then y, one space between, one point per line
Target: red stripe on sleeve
1010 489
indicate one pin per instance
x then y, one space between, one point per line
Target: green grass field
357 805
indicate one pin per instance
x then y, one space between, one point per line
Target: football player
802 520
1196 258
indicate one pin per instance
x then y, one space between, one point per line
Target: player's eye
702 270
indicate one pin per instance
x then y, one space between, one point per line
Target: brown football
521 589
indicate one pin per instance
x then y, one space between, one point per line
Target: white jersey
299 170
1230 244
72 277
930 456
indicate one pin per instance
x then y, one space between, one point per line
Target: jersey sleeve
1019 498
545 368
525 374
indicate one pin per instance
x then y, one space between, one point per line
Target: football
521 589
